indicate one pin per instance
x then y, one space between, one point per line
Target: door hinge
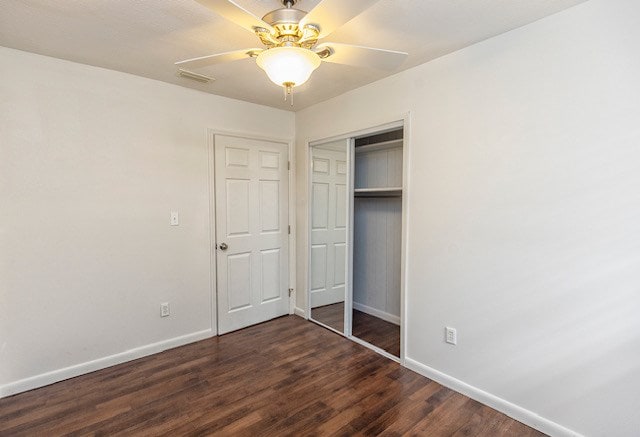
289 229
288 165
290 292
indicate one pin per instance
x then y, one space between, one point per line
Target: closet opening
356 236
377 240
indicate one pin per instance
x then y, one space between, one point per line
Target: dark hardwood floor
371 329
284 377
330 315
377 332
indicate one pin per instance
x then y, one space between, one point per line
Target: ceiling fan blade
328 15
236 13
362 56
218 58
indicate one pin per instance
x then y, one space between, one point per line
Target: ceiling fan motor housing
284 16
286 22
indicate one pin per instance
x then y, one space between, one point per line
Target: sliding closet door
355 237
328 233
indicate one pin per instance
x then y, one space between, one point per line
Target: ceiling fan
290 38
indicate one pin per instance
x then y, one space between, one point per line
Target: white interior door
328 223
251 185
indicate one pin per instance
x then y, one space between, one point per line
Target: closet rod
378 193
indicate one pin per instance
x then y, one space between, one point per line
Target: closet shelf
378 192
379 146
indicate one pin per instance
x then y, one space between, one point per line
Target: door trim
403 122
291 214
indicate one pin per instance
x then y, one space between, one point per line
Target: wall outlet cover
450 335
164 309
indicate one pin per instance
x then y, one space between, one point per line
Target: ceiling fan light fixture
288 66
290 52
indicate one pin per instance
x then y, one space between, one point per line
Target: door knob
223 246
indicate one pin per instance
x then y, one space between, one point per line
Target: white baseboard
101 363
514 411
377 313
300 312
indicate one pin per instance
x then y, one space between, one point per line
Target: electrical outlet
164 309
450 335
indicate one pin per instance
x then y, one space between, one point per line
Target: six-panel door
251 184
328 226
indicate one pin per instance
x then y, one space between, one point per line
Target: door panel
270 277
239 275
339 262
269 206
328 226
318 267
341 207
237 205
320 204
251 180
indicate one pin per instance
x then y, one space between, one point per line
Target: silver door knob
223 246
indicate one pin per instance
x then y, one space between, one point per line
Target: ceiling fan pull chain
288 90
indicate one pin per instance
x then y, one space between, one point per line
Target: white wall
524 214
91 163
377 249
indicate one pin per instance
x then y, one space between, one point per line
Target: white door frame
213 253
403 122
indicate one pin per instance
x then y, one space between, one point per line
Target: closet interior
355 237
377 240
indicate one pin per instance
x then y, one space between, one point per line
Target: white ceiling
146 37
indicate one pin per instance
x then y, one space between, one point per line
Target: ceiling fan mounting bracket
254 53
325 52
266 37
288 3
310 33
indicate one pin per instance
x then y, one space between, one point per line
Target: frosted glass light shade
288 65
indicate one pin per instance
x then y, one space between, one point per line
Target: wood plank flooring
371 329
284 377
330 315
377 332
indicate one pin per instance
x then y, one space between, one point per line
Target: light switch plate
175 218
